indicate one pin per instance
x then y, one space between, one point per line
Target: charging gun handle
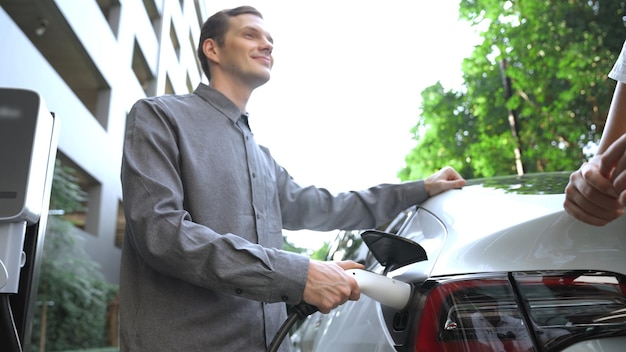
389 292
8 331
299 312
304 309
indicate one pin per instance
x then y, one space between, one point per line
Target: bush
73 295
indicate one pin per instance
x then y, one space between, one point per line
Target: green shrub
73 294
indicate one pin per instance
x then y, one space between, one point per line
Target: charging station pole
28 145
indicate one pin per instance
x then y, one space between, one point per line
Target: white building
91 60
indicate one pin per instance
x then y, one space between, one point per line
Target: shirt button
253 175
238 291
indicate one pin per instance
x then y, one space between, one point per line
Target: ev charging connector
28 144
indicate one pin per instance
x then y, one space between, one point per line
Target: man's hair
216 27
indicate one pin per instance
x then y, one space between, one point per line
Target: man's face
247 52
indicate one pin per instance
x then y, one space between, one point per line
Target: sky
346 83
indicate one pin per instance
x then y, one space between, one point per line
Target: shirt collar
219 101
244 118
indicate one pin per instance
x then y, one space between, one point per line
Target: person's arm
615 125
327 285
318 209
590 195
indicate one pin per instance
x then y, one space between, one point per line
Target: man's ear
211 50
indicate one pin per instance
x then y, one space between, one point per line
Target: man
202 265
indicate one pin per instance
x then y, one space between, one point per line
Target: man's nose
267 46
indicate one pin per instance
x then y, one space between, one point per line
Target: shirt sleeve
618 72
318 209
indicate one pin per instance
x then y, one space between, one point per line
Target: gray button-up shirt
202 265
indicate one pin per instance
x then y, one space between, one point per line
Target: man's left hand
443 180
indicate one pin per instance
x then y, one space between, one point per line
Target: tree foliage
537 83
290 247
73 291
66 193
322 252
73 294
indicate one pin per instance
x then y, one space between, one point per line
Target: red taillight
458 316
483 312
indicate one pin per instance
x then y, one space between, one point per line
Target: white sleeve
618 72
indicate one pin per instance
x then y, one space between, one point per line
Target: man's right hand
329 286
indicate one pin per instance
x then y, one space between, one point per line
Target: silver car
505 269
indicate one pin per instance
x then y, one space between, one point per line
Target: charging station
28 145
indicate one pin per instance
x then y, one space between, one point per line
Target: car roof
535 183
515 223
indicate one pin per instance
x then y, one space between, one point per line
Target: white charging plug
389 292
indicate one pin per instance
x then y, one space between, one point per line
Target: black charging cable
299 312
8 331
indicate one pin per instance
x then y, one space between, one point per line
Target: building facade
91 60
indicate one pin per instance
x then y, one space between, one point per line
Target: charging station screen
18 118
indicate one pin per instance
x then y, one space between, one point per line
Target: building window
198 13
73 190
142 71
174 40
103 103
169 88
194 47
111 11
120 226
154 16
189 84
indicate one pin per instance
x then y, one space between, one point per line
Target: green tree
322 252
535 91
66 193
290 247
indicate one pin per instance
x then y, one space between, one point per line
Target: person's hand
596 193
613 164
329 286
443 180
590 196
